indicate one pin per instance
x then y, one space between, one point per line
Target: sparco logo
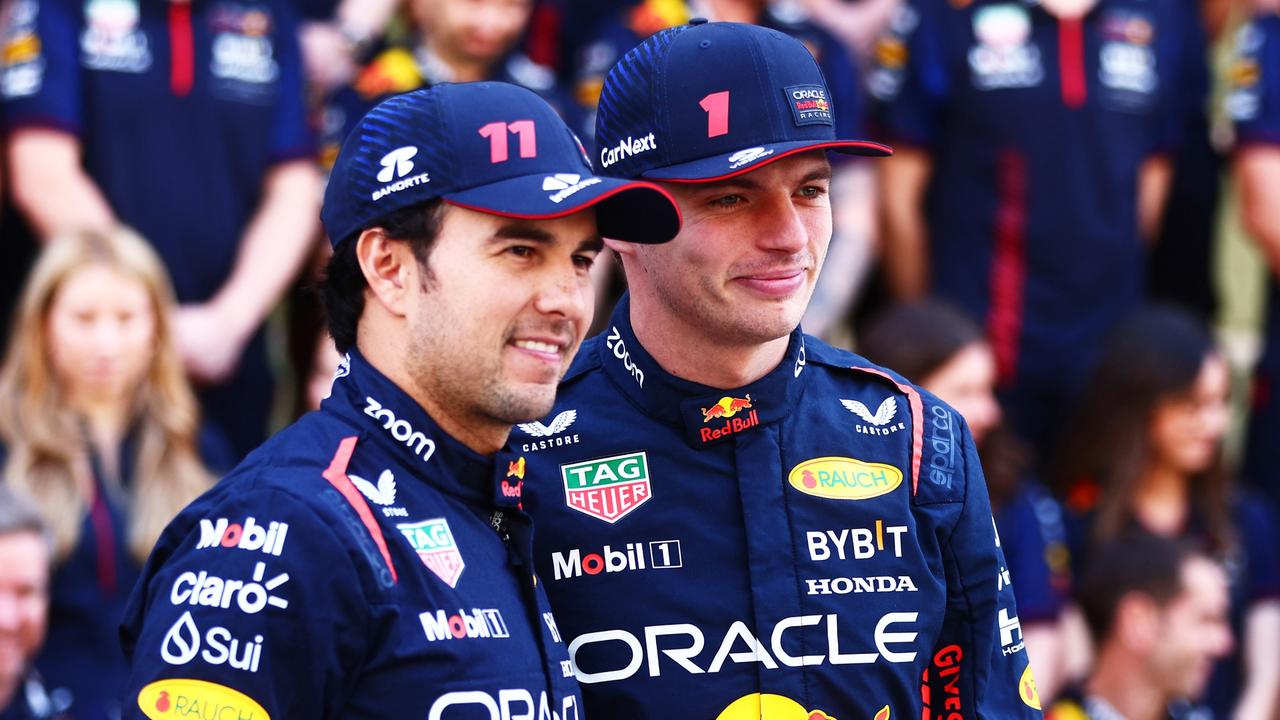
249 536
682 644
614 342
401 430
479 623
507 704
627 148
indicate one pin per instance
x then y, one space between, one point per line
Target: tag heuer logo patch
609 488
433 541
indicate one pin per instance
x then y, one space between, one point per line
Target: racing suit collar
389 418
708 415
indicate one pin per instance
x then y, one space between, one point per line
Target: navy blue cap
707 101
488 146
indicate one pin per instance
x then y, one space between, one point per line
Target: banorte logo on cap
395 166
778 707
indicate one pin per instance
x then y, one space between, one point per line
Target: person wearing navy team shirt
1033 163
736 520
185 121
1254 104
367 561
853 188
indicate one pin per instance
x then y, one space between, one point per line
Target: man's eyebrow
819 173
523 231
593 243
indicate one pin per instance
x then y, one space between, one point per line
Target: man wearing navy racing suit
363 563
736 520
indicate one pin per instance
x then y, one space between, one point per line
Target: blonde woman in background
101 429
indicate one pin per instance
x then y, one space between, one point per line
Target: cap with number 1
488 146
707 101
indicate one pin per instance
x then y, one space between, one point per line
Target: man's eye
728 201
584 261
813 191
520 250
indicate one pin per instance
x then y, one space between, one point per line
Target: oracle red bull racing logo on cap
183 698
843 478
778 707
809 105
434 543
609 488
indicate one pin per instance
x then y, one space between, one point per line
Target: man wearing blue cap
363 563
738 521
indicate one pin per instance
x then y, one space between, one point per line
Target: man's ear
389 268
1137 622
622 247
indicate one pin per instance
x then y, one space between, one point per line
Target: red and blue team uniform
1036 552
360 564
1037 128
181 110
816 544
1254 104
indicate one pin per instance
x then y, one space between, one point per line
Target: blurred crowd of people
1037 254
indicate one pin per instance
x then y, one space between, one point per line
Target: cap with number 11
488 146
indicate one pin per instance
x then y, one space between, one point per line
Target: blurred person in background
184 120
1033 165
853 190
1144 453
444 41
947 355
1157 611
1254 105
101 430
25 557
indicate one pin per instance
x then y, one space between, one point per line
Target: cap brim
722 167
630 210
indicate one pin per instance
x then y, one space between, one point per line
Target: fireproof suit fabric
819 541
360 564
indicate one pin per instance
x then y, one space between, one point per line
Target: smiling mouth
538 346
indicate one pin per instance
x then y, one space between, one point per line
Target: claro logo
401 430
619 348
842 478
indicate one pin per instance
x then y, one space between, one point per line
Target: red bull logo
726 408
767 706
515 469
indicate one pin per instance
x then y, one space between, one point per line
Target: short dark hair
1138 561
343 285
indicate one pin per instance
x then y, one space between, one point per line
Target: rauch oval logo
180 698
842 478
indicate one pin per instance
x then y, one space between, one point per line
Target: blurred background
1076 244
